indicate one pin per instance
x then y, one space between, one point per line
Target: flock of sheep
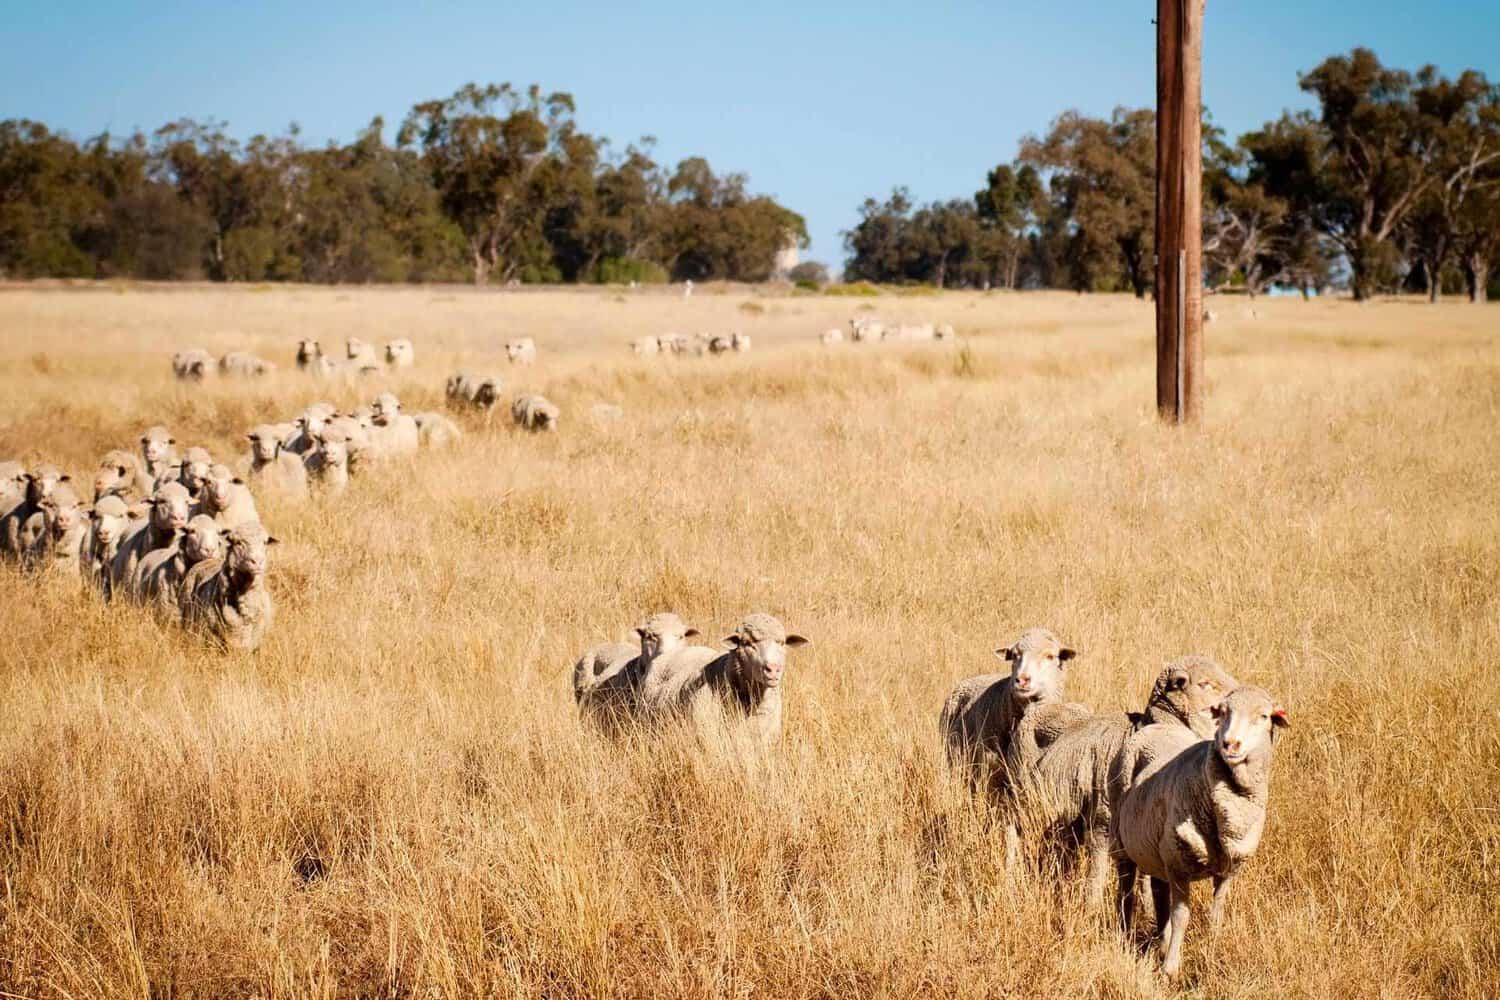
1175 793
861 330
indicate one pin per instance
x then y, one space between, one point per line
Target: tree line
492 184
1392 184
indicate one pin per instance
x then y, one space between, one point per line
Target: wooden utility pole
1179 210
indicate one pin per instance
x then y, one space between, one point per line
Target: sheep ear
65 478
1278 716
1177 681
1065 654
272 540
733 640
250 437
1007 653
1218 710
171 440
796 640
641 632
238 480
691 633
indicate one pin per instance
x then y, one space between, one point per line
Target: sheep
12 487
159 454
328 464
309 356
863 328
310 427
65 529
435 430
720 344
25 522
226 499
193 365
943 331
646 345
243 363
229 601
193 469
923 331
535 413
607 678
1071 784
121 474
1199 814
109 524
272 467
163 571
479 391
521 352
675 343
830 337
393 432
357 431
737 693
168 514
359 351
739 342
400 354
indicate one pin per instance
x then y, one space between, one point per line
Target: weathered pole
1179 210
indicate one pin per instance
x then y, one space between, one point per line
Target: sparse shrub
624 270
856 288
752 308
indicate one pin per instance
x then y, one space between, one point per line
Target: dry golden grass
393 796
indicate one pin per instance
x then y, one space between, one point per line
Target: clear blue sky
821 103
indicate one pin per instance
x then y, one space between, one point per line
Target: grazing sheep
272 467
830 337
121 474
392 433
1199 814
479 391
169 511
159 454
739 342
229 601
193 469
400 354
328 464
109 524
607 678
25 522
646 345
309 357
193 365
163 571
226 499
1070 788
535 413
359 351
435 430
521 352
244 364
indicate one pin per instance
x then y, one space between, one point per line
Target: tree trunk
1477 275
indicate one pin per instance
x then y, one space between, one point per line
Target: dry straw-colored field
393 796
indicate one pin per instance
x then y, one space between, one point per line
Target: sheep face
308 351
156 444
1190 687
170 507
759 647
200 540
195 467
110 517
1248 719
488 393
356 348
385 409
265 444
245 550
41 481
663 633
398 352
62 510
1037 665
335 452
116 472
219 487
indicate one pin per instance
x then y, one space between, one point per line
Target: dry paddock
393 797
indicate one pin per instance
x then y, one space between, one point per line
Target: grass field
393 796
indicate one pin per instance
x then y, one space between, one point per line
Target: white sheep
193 469
242 363
1071 786
109 524
170 508
159 453
828 338
65 530
121 474
163 571
521 352
436 430
646 345
227 499
309 357
479 391
25 522
392 432
535 413
607 678
228 600
328 464
310 427
1199 814
359 351
193 365
739 342
724 695
862 329
272 466
400 354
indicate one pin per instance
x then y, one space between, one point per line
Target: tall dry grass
393 796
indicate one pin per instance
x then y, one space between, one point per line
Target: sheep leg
1125 880
1159 907
1012 844
1221 896
1172 959
1098 848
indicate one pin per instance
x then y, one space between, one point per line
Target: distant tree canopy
490 184
1394 184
